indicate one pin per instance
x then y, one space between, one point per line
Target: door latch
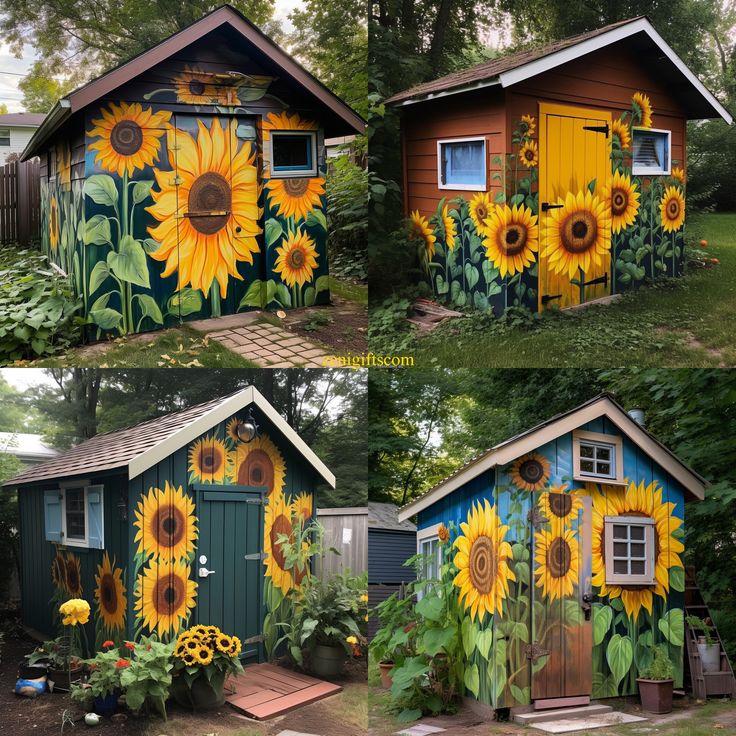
255 556
600 280
546 206
205 573
598 128
586 605
550 297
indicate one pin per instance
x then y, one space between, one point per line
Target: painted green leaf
484 641
317 218
480 301
520 695
149 308
141 190
604 686
96 230
539 665
442 286
619 655
101 189
99 273
101 303
150 245
253 297
516 199
271 286
283 295
518 631
461 299
430 607
468 630
602 617
107 319
522 572
490 272
471 275
309 296
520 551
129 262
672 626
497 671
322 284
472 679
573 613
677 578
591 186
273 231
187 301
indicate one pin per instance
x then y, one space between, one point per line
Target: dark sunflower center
126 137
168 594
673 209
481 213
560 504
169 526
296 258
256 470
531 471
514 240
296 187
109 594
281 525
619 200
257 474
196 87
529 154
210 459
71 576
209 193
559 557
579 232
482 565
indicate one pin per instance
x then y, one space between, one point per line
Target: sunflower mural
195 86
111 601
557 562
530 472
207 460
559 506
259 463
278 521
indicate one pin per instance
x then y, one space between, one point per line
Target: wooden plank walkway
265 691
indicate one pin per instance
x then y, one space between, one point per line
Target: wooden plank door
228 564
562 629
575 157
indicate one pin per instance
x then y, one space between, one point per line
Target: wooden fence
20 202
346 530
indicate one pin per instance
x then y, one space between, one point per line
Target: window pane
587 466
620 549
75 513
463 162
637 567
637 532
292 152
586 450
621 567
650 150
637 550
620 531
604 453
604 468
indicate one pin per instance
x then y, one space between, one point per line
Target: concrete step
561 714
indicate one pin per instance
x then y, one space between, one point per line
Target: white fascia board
545 63
505 453
447 92
218 414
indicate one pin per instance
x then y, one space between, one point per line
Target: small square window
4 136
75 515
597 456
651 151
599 464
462 164
629 550
293 153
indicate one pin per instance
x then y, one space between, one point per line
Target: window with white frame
74 515
74 505
652 150
428 545
462 164
293 153
629 550
597 456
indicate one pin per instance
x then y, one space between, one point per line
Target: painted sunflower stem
581 285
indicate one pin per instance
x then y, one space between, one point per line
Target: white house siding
19 137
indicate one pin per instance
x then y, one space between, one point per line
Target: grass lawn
686 322
349 290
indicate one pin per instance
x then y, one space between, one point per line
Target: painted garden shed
567 544
554 176
190 180
173 522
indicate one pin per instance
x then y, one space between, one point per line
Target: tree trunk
440 34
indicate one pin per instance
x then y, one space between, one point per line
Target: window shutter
52 515
95 517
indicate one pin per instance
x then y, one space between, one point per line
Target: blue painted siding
387 552
454 508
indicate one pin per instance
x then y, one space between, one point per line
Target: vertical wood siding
353 556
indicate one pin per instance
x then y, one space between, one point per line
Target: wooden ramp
265 691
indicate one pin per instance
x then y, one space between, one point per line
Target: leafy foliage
147 679
104 678
660 667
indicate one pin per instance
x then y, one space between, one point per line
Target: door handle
547 206
205 573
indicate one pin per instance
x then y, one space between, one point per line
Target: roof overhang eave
58 115
493 82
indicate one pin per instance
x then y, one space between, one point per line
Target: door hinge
598 129
256 501
536 518
255 556
207 213
258 639
548 206
533 651
600 280
550 297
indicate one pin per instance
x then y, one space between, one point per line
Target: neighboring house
569 542
390 543
209 150
169 523
569 165
16 130
30 449
345 531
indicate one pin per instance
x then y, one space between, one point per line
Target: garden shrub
37 307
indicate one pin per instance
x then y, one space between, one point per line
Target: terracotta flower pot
385 669
656 695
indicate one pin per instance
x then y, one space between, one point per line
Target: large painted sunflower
286 121
193 86
110 595
512 238
529 154
129 137
578 236
58 571
530 472
302 507
260 463
207 460
277 521
481 208
53 223
296 259
450 227
166 524
419 229
557 562
64 165
645 105
295 197
678 174
231 429
73 575
672 209
624 201
482 560
621 129
560 506
165 596
213 175
636 500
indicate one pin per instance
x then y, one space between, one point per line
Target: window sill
594 479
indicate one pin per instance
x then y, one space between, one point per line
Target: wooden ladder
704 684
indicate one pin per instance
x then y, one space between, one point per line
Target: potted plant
708 647
101 691
392 642
203 658
55 660
655 683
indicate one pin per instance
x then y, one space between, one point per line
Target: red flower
93 666
129 645
122 663
107 644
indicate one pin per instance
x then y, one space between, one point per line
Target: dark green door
228 564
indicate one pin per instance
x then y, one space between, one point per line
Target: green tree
3 108
41 90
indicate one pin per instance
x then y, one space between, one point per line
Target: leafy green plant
393 641
317 321
54 652
146 678
660 668
37 307
104 679
695 622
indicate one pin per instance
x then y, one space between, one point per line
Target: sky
12 70
23 378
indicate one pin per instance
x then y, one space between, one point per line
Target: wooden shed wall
353 555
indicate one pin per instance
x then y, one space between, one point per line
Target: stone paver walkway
269 346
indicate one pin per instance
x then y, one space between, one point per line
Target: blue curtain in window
463 162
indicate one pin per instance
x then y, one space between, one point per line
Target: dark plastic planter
31 671
327 661
656 695
106 706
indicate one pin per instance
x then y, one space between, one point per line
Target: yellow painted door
574 216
